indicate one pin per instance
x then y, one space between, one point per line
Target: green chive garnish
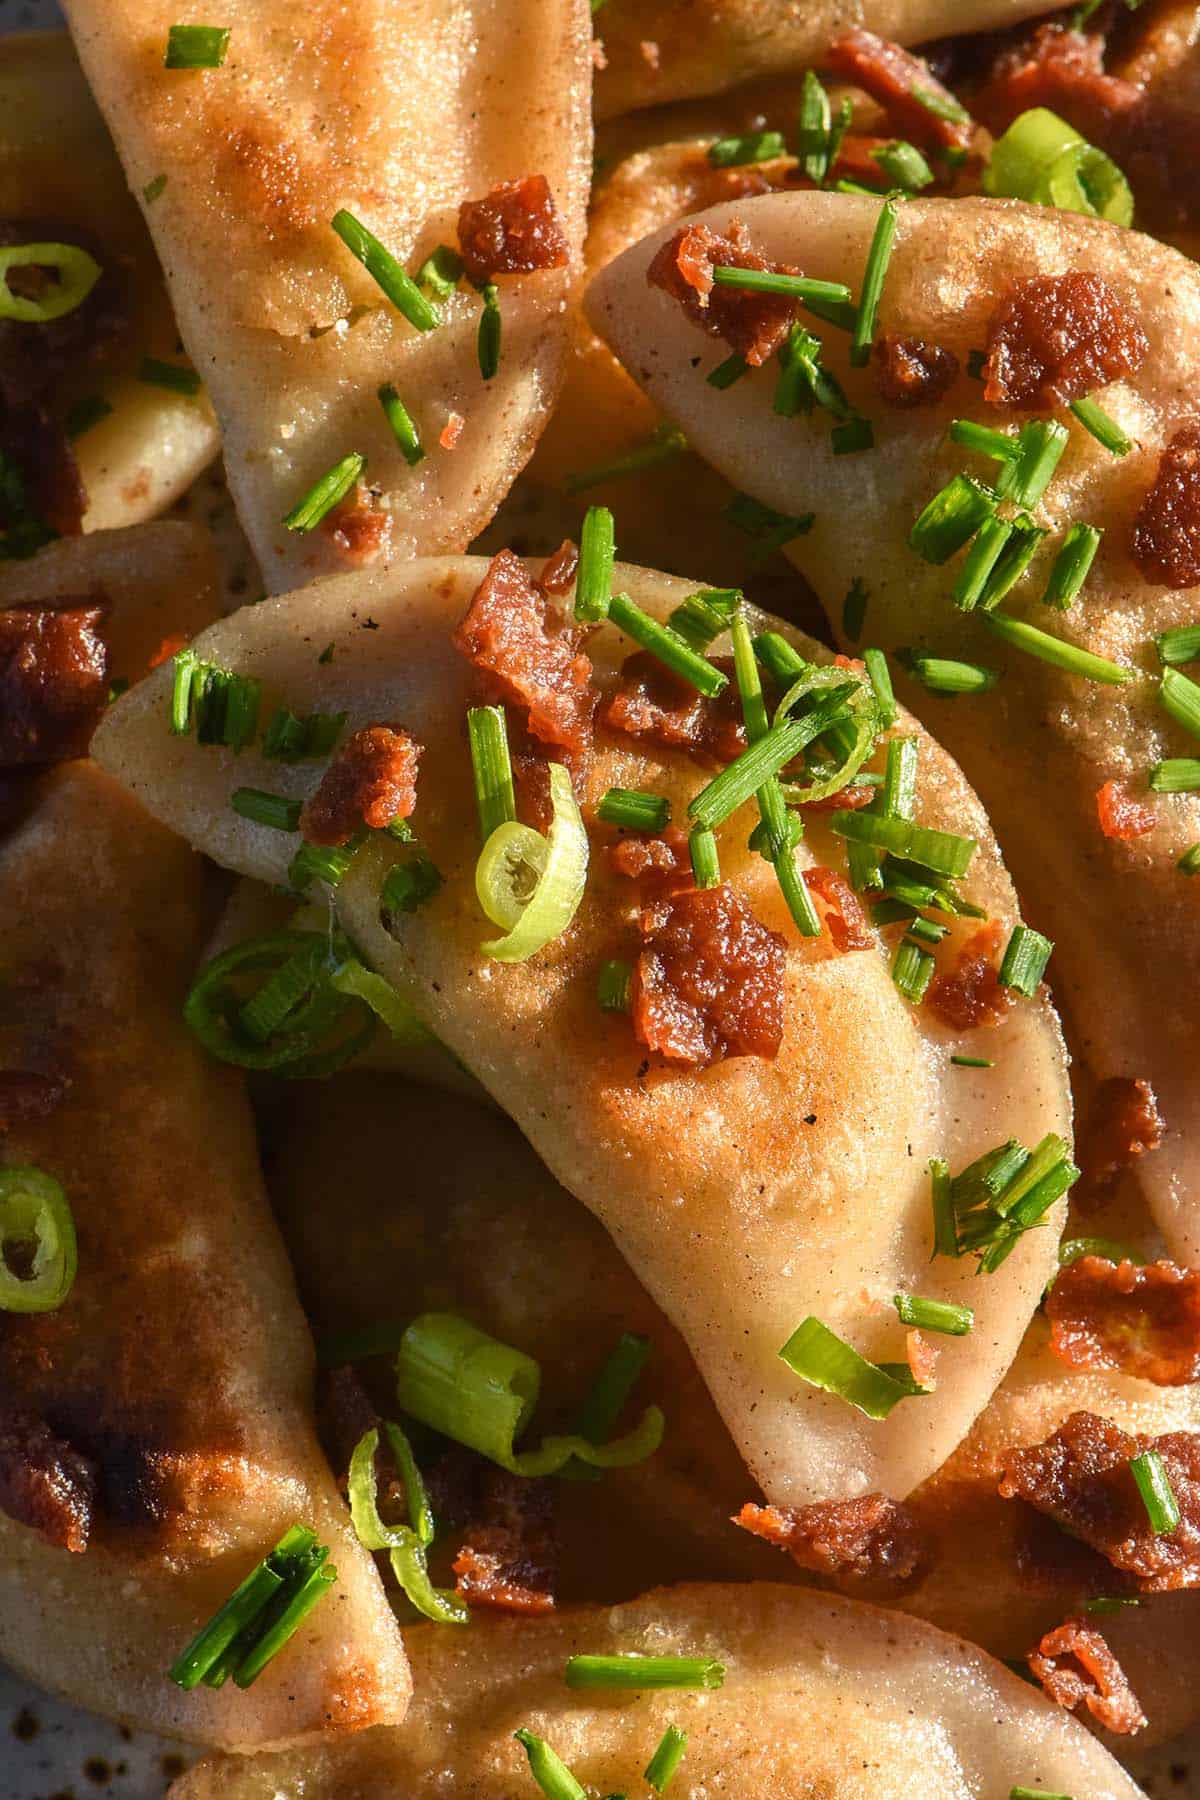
1056 651
329 863
980 561
772 529
880 678
1024 962
944 852
326 493
548 1769
1001 446
86 413
275 810
168 375
660 1770
1181 699
1028 1793
153 189
1071 566
487 733
874 275
904 166
755 147
1019 551
490 329
972 1062
942 675
945 1228
818 1356
797 287
704 615
184 665
953 515
1182 645
1039 448
1177 775
441 272
942 106
606 1399
727 372
743 777
404 429
666 645
1106 431
290 738
408 886
813 129
383 268
196 46
664 444
912 969
260 1616
597 552
1158 1497
637 1674
1189 862
635 810
779 829
614 986
706 864
934 1315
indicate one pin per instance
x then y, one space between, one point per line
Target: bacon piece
922 1358
847 799
970 994
1166 532
26 1095
371 780
662 864
1075 1665
528 660
44 1482
451 431
1144 1321
895 78
513 230
508 1560
838 905
358 529
653 703
754 325
559 571
42 492
867 1538
912 372
708 983
53 682
1063 70
1053 338
1080 1478
34 358
1123 1123
1121 816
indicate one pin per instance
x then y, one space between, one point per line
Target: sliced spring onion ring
1042 158
78 274
35 1219
406 1544
861 719
559 862
353 978
285 1026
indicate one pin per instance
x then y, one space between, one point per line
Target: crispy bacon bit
44 1483
558 571
895 78
528 660
922 1358
357 527
1123 1123
912 372
847 799
755 325
661 864
970 994
649 52
344 1412
1080 1478
869 1538
26 1095
838 905
371 780
1144 1321
48 491
1054 338
513 230
708 983
1166 532
451 431
1063 70
170 646
1075 1665
1121 816
53 682
653 703
509 1558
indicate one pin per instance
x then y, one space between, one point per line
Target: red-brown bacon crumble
1063 70
27 1094
44 1483
526 658
896 78
970 994
1123 1123
661 864
509 1557
708 983
371 780
513 230
1143 1320
357 527
753 325
53 682
912 372
839 908
1075 1666
1080 1478
654 704
51 490
868 1538
1166 532
1053 338
558 571
1120 814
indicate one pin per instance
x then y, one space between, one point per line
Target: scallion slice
614 987
635 810
934 1315
1024 962
407 1544
874 275
664 444
673 651
1177 775
1182 645
597 553
704 615
881 686
1180 697
35 1211
1043 159
196 46
953 515
1001 446
818 1356
640 1674
77 274
326 493
796 287
727 372
260 1616
755 147
1071 565
383 269
813 129
1055 650
491 327
548 1769
706 863
403 427
495 799
942 675
1106 431
1158 1496
980 560
660 1770
535 918
904 166
945 852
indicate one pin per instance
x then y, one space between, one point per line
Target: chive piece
953 515
813 129
1014 559
854 610
1181 699
1001 446
852 435
243 697
841 313
727 372
404 429
285 1614
818 1356
1158 1497
383 269
942 106
661 1768
980 561
1177 775
153 188
289 738
755 147
184 666
196 47
118 686
1106 431
972 1062
639 1674
548 1769
1189 862
706 865
326 493
86 413
275 810
772 529
704 615
329 863
945 852
1025 960
796 287
945 1228
783 663
664 444
934 1315
606 1399
1071 566
614 986
172 376
904 166
1040 445
1111 1603
243 1606
666 645
1028 1793
744 776
441 272
900 779
1055 650
912 969
597 553
487 733
927 931
490 329
634 809
881 686
408 886
942 675
874 275
1182 645
326 655
779 830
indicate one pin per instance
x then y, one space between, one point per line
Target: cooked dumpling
747 1195
397 118
1062 759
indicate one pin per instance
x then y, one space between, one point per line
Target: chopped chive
945 1228
805 381
118 686
972 1062
841 313
86 413
1177 775
706 865
953 515
243 697
289 738
243 1606
944 852
661 1768
326 493
548 1769
1024 962
196 46
844 186
874 275
404 429
1071 566
153 188
614 986
783 663
779 829
597 553
744 776
942 675
1001 446
669 648
1111 1603
1040 445
275 810
1028 1793
854 610
904 166
704 615
817 1355
490 329
813 129
1016 556
408 886
173 376
1182 645
772 529
634 809
881 686
665 443
980 561
727 372
942 106
329 863
927 931
184 666
326 655
852 435
934 1315
912 969
755 147
1106 431
1181 699
766 281
441 272
285 1614
900 779
487 733
605 1400
1158 1497
383 269
1055 650
1189 862
638 1674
